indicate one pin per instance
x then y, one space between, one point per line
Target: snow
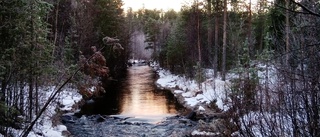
191 101
178 91
69 100
66 98
187 95
217 90
204 133
201 108
211 89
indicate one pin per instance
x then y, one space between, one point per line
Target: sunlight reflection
141 101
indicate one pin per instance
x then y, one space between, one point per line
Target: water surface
137 97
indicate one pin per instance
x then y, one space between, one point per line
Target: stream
133 107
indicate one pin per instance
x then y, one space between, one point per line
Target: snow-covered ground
66 98
196 98
210 90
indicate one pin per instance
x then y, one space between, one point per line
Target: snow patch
201 108
66 98
204 133
178 91
191 101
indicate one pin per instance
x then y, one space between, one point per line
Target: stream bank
207 103
134 106
178 125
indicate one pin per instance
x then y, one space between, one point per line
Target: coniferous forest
88 42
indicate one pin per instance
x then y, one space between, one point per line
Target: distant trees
183 49
156 25
110 22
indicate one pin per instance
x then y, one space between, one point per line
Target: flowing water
131 107
136 97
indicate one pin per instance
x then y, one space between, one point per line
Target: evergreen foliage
25 55
40 43
110 22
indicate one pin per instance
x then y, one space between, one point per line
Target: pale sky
154 4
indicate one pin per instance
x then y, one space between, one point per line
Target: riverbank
208 99
189 93
185 90
49 124
148 111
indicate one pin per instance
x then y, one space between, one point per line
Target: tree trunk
224 40
37 95
30 98
55 28
216 41
199 45
21 104
3 90
250 43
31 67
287 32
209 26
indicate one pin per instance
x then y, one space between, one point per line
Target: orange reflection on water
141 100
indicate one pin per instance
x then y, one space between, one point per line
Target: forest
88 43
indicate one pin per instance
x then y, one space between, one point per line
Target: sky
153 4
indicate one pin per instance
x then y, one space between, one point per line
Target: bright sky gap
154 4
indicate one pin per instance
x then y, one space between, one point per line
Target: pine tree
25 53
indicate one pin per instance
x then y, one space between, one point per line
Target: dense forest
88 42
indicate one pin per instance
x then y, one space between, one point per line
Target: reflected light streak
140 101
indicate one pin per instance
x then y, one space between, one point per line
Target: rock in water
191 115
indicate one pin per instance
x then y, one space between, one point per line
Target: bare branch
299 12
305 8
292 51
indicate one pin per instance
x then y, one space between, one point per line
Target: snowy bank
193 96
199 99
214 90
44 126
